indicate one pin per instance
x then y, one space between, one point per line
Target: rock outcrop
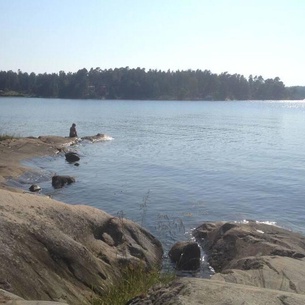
255 254
54 251
256 264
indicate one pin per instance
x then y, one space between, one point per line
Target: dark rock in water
72 157
76 164
60 181
186 255
34 188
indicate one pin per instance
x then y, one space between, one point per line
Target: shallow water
173 165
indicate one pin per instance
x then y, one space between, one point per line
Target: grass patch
135 281
6 137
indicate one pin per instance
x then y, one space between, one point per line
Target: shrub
135 281
5 137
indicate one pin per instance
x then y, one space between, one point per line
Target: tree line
138 84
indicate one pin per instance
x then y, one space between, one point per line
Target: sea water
172 165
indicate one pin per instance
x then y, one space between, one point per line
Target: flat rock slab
273 272
200 291
194 291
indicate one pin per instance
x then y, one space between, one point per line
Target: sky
247 37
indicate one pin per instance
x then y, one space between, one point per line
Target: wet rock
60 181
72 157
35 188
186 255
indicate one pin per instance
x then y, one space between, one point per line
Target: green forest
139 84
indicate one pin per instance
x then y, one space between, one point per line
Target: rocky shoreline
57 252
255 263
54 251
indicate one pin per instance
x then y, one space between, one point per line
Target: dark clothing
73 132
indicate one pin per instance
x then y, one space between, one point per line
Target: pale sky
258 37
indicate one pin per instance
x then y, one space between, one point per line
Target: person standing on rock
73 132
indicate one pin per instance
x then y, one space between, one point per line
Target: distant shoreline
139 84
21 95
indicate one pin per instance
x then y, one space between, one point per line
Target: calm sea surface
174 164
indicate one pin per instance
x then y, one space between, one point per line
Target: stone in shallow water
72 157
34 188
60 181
186 255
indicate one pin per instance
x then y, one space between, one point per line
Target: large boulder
227 242
255 254
185 255
54 251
